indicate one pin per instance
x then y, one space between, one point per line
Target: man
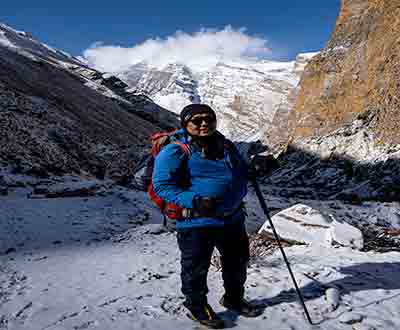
210 184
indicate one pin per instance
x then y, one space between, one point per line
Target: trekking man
210 185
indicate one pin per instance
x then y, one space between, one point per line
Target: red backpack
142 178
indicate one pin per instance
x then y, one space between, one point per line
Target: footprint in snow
86 325
172 305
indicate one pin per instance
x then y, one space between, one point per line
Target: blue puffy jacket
225 179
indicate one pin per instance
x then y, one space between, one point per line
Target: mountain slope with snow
245 95
25 44
58 116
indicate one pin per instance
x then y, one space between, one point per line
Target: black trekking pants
197 245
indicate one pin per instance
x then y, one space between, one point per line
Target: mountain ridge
245 95
60 117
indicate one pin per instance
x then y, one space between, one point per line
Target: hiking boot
205 315
241 306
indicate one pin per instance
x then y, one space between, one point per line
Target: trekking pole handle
266 212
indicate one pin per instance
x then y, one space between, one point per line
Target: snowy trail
95 278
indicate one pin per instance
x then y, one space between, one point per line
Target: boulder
302 223
84 188
3 191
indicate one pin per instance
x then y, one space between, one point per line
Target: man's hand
252 169
205 206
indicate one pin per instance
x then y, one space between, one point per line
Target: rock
346 235
264 164
10 250
157 229
345 110
365 326
333 298
82 188
3 191
35 196
302 223
351 318
355 76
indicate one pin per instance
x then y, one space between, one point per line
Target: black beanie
194 109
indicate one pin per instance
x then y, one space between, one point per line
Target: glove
205 207
252 169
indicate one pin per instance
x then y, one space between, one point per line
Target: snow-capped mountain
23 43
245 95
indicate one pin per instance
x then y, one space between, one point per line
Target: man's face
202 124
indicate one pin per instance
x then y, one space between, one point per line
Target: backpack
143 173
142 177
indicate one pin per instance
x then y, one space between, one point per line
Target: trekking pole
265 209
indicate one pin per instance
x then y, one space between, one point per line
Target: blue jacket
225 179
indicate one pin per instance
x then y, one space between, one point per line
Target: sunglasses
199 120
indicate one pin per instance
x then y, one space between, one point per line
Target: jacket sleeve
168 173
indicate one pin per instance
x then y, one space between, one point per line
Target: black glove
205 207
252 169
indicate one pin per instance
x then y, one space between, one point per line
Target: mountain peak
25 44
245 94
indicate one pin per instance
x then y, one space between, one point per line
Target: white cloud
199 50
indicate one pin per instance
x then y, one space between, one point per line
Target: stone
351 318
303 224
333 298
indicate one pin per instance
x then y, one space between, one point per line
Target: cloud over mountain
199 50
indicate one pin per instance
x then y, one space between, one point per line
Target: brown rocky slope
356 76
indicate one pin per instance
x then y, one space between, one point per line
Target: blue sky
289 26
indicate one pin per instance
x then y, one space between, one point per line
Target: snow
10 29
308 55
104 262
24 44
244 94
351 318
4 41
173 101
346 235
332 298
301 61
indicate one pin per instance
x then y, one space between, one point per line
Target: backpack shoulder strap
184 147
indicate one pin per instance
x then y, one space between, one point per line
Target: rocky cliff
356 76
344 129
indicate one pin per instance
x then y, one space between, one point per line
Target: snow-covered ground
104 262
